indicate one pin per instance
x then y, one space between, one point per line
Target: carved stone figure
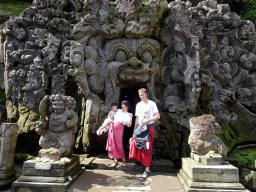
58 130
192 59
203 139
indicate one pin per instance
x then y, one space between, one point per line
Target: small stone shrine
206 169
56 167
8 138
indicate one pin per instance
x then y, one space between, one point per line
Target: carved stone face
244 32
246 60
135 56
73 54
243 94
172 104
58 106
20 34
75 57
225 68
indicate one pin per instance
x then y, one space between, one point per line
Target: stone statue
58 129
203 139
192 59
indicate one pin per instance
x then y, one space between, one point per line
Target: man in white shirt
146 114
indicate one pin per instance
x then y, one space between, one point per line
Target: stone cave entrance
130 94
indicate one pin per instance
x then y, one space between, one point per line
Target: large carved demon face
135 57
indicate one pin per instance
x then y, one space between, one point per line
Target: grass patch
14 7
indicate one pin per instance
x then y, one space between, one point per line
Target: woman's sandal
114 164
145 174
136 164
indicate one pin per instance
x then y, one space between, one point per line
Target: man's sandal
145 174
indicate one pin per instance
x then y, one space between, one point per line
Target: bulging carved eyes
120 56
146 57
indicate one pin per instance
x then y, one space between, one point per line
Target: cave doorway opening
130 94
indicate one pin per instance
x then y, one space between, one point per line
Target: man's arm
154 118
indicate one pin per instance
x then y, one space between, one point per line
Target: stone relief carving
191 59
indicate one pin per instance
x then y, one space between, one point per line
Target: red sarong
115 141
140 154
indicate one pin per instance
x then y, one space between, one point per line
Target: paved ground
117 180
100 177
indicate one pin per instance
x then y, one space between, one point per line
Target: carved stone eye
120 56
146 57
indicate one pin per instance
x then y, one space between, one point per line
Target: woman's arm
129 124
136 123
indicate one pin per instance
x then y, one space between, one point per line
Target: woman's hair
113 104
127 103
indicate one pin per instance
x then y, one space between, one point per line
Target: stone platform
196 176
47 177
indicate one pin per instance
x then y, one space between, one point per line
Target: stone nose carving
134 63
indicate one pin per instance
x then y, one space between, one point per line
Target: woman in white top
115 133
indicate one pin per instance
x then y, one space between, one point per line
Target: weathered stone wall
193 61
3 18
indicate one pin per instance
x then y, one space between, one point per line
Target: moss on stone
205 94
243 158
112 9
228 136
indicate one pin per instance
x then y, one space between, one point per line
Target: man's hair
142 90
113 104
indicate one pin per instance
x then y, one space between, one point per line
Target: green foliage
249 12
144 5
246 9
243 158
2 36
20 158
2 97
15 7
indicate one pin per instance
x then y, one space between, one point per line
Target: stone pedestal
196 176
8 139
47 177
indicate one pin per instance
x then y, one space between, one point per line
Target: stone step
160 165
